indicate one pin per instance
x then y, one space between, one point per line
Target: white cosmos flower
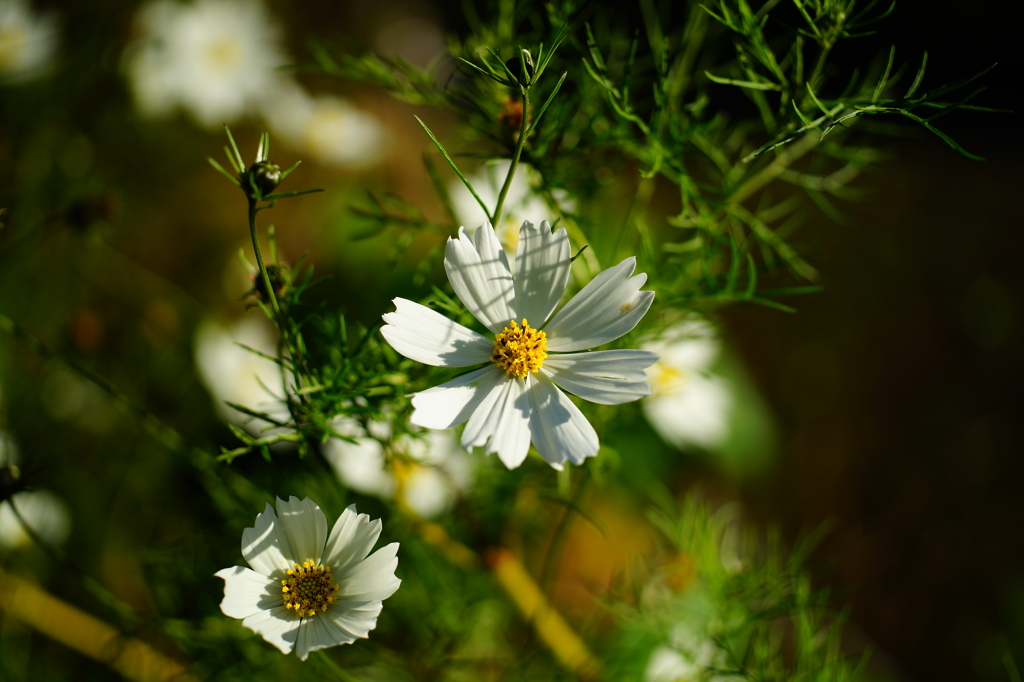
307 590
514 399
689 405
27 41
214 58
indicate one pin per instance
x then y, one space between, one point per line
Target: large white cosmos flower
307 590
514 399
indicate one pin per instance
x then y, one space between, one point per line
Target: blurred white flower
214 58
237 375
307 590
429 478
28 42
688 404
327 128
521 202
692 653
42 510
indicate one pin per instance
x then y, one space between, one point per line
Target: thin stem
264 275
520 143
293 344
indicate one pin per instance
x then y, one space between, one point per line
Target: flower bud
516 68
265 176
279 280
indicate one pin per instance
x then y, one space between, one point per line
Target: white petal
481 277
355 621
279 626
542 270
502 421
372 578
306 527
317 632
246 592
559 429
607 377
266 546
451 403
352 538
608 307
427 336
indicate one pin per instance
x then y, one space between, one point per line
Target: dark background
898 389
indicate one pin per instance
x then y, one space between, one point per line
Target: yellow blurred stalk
136 660
570 650
567 646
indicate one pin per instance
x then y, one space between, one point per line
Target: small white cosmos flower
214 58
514 399
28 42
307 590
689 404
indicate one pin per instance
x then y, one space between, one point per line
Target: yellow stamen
520 350
309 589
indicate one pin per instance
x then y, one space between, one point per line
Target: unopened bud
516 68
266 176
279 280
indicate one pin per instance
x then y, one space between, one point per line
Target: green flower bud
265 176
280 278
516 67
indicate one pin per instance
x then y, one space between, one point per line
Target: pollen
309 589
520 350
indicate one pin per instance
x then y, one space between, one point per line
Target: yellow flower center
309 589
520 350
12 45
224 54
666 380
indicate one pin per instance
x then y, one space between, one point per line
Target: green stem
520 143
291 340
264 275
